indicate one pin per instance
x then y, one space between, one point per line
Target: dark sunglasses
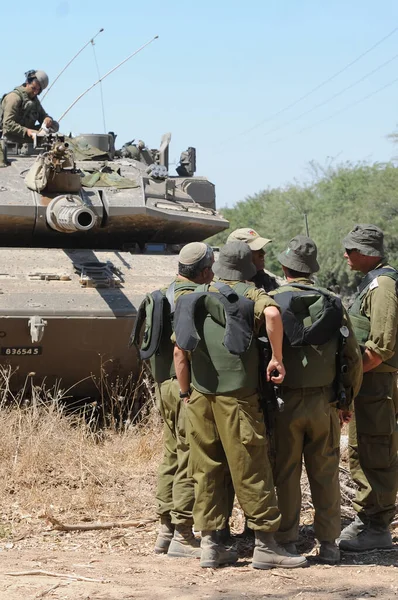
349 250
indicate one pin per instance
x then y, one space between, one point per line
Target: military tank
85 232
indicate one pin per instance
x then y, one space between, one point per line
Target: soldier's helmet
42 78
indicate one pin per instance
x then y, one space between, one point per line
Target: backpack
310 316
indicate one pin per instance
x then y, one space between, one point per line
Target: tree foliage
336 199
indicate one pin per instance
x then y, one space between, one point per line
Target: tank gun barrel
68 214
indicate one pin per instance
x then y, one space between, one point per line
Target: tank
85 232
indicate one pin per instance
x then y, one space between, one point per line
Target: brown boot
268 554
214 553
184 544
165 535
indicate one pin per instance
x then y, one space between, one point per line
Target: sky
221 77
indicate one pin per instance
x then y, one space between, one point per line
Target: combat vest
312 318
29 111
217 328
361 323
153 329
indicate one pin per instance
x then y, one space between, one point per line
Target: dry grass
52 460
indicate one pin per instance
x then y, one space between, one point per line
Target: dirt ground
121 565
50 466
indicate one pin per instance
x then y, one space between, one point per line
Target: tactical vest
153 341
312 318
29 111
217 328
361 323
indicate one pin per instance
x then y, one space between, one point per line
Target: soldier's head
255 242
364 247
36 82
195 262
235 262
299 258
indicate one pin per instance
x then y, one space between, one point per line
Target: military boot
371 538
268 554
329 553
352 530
214 553
184 544
289 547
165 535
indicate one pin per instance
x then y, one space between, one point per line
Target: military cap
250 237
235 262
367 239
192 253
300 255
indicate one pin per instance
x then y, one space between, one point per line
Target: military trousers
175 490
373 449
227 435
309 429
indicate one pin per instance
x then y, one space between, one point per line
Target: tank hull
87 329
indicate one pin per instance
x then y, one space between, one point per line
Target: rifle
343 402
270 393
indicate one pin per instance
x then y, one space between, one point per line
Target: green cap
300 255
192 253
367 239
235 262
250 237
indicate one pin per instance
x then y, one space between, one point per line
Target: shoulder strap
242 287
369 277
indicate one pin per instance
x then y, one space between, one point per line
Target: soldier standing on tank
309 425
225 423
262 279
175 491
373 434
22 114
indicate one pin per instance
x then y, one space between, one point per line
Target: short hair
296 274
192 271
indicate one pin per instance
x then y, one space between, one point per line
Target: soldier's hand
345 416
31 133
48 122
277 366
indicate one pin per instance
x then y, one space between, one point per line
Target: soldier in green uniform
373 434
22 115
309 425
175 491
225 424
262 279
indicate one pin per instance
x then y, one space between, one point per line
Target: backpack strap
372 275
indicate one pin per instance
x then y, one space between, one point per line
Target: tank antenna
90 41
106 75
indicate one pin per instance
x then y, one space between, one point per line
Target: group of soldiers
201 337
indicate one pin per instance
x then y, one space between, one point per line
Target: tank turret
86 231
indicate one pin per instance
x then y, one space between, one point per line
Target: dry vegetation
54 461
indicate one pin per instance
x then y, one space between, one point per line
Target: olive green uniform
309 426
20 113
373 434
175 490
226 429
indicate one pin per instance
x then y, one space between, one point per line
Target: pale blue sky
218 68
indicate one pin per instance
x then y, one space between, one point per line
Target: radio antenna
106 75
90 41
